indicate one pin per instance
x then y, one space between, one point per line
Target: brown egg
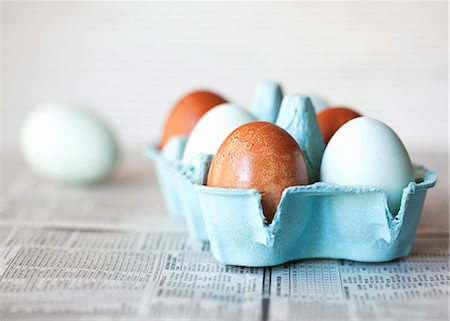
262 156
332 118
187 112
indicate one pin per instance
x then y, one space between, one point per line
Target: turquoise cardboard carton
313 221
318 220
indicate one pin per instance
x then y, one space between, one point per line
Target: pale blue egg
68 143
367 152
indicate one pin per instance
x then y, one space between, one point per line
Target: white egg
212 129
367 152
68 143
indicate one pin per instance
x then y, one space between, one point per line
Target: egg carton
319 220
314 221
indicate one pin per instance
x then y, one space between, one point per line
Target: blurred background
132 61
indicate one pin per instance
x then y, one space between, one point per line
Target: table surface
140 199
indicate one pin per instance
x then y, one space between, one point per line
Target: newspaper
111 253
66 272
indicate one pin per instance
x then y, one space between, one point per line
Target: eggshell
261 156
332 118
212 129
365 151
68 143
187 112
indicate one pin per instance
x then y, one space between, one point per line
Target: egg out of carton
212 129
68 143
186 113
367 152
332 118
261 156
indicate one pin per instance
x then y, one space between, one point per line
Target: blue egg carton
313 221
318 220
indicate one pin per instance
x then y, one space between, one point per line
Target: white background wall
131 61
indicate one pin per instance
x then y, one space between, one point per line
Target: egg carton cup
177 184
314 221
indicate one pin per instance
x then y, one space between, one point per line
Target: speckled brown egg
187 112
262 156
332 118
